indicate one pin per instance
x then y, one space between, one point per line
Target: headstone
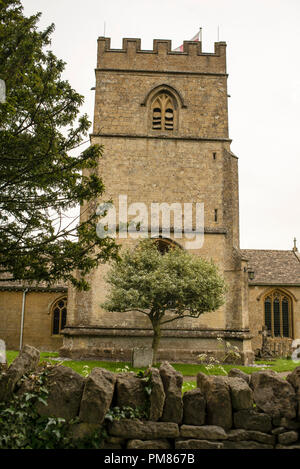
142 357
265 352
2 91
2 352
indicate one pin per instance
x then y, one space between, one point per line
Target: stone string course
238 411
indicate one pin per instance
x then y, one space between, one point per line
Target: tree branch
181 317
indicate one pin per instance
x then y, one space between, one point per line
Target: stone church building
162 118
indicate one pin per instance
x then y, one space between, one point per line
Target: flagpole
200 34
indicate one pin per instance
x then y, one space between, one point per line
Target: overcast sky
263 62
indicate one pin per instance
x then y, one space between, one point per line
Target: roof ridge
296 255
269 250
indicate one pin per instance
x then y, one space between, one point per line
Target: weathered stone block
261 437
129 391
218 400
197 444
237 434
273 395
157 396
148 444
252 420
289 424
65 388
245 445
245 435
205 432
97 396
172 382
237 373
241 394
194 407
288 438
137 429
26 361
287 447
278 430
294 379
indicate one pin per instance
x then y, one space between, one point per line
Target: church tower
162 118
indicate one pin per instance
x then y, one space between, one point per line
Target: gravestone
3 364
142 357
2 352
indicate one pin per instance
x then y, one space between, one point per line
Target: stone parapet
161 57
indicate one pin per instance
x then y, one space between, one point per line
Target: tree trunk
156 339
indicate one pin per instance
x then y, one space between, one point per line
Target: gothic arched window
165 244
278 314
59 315
163 112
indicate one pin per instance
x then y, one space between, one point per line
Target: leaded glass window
278 314
59 315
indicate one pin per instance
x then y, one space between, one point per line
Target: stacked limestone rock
232 412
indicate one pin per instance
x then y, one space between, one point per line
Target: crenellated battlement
161 57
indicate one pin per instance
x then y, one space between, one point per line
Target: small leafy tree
165 288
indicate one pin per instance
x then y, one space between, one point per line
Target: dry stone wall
223 412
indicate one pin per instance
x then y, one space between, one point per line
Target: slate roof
273 267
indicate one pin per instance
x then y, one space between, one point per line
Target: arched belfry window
278 314
163 112
59 315
163 104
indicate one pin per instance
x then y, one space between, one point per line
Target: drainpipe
22 317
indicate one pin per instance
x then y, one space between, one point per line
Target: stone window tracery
163 112
165 244
278 314
59 315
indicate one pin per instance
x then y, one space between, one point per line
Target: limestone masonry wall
192 163
238 411
38 319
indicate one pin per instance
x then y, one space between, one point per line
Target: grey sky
263 62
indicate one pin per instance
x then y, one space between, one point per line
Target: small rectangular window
214 156
216 214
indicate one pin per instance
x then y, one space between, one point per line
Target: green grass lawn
85 366
280 365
